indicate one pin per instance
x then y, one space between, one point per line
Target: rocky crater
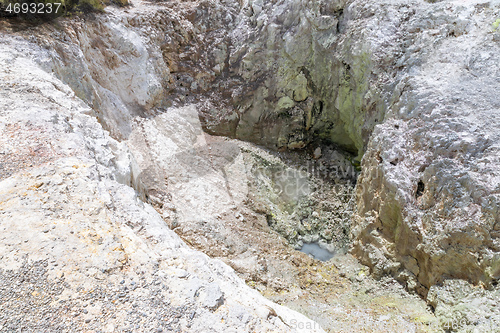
161 163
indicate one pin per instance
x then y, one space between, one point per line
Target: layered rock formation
288 74
258 68
80 250
428 193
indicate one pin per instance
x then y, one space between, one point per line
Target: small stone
285 103
317 153
211 297
217 69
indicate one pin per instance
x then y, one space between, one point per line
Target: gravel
30 302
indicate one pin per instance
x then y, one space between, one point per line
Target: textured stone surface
286 74
258 69
463 307
79 250
110 258
428 194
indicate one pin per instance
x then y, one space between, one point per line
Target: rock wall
127 66
279 74
428 195
288 73
295 77
79 250
284 74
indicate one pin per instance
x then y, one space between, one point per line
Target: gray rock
409 86
211 297
104 233
427 201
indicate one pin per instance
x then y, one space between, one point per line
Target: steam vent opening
420 189
249 166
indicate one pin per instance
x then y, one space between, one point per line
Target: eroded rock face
295 77
279 74
80 251
144 74
286 73
428 194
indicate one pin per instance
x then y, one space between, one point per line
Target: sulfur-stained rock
411 87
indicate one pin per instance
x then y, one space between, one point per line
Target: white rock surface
284 73
91 254
428 194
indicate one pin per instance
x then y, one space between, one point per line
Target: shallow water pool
316 251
